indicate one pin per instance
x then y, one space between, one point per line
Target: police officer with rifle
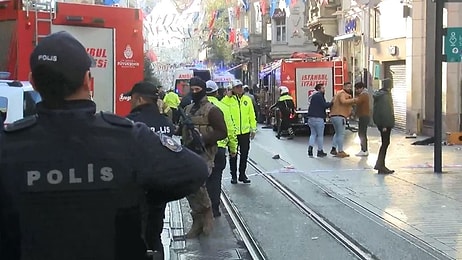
203 127
72 180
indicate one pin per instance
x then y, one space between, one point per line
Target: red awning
306 55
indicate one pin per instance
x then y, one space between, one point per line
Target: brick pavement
420 202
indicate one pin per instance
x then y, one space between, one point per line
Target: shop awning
345 37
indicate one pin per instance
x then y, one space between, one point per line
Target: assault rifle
195 144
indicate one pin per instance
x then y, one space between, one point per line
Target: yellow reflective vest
242 113
231 140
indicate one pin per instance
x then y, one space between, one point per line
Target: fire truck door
306 80
99 43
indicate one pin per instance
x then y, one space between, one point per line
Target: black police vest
69 190
149 115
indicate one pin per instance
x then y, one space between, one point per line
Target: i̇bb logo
128 53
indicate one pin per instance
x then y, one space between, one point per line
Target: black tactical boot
321 153
243 179
310 151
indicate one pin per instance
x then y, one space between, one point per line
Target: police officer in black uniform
72 180
143 100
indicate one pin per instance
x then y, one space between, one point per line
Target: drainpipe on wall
367 43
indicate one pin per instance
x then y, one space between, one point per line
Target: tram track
252 245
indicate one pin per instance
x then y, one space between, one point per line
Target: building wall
297 41
424 24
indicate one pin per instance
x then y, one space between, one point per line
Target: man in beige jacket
342 105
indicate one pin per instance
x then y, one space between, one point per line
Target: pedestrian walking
316 119
243 116
342 105
363 113
286 107
214 180
143 102
384 119
209 122
71 178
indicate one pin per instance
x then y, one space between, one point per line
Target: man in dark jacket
286 107
384 119
143 101
316 118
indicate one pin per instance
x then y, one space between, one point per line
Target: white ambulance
17 100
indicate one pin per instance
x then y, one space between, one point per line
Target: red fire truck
301 75
112 35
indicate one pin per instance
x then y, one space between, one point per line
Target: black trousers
385 135
284 125
154 226
243 144
362 131
214 181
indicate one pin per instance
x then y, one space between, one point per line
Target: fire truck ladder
47 6
338 73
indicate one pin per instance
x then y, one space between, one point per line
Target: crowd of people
340 110
77 184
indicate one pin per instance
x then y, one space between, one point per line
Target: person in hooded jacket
143 101
384 119
286 106
316 119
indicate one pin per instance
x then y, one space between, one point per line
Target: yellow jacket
231 140
172 99
242 113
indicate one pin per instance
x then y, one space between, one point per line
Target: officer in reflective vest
208 120
172 100
243 115
72 180
286 107
143 99
214 180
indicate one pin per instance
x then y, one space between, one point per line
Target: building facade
287 31
374 37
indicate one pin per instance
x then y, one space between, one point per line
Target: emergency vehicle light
15 84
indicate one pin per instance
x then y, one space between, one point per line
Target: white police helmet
211 86
283 90
237 82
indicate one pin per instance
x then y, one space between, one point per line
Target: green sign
453 44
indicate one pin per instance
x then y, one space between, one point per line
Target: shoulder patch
170 143
21 124
115 119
